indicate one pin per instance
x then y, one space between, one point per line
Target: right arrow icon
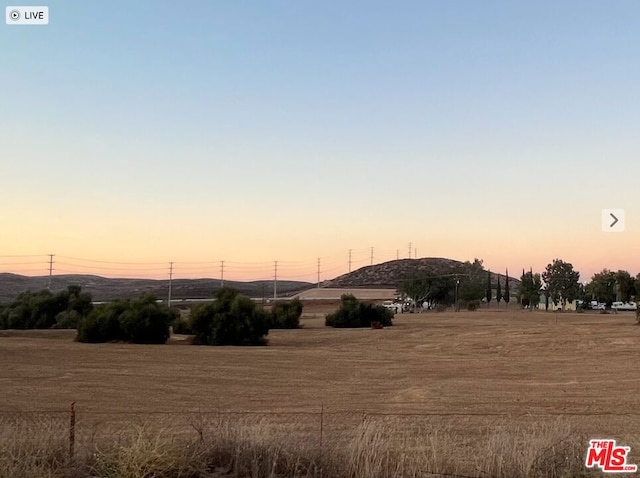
615 219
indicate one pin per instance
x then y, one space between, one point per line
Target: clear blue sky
254 131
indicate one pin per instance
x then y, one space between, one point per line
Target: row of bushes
44 309
232 319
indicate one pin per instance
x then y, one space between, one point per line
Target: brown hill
393 273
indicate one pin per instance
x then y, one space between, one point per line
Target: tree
44 309
530 288
489 292
353 313
436 289
626 286
417 289
286 315
523 300
145 321
506 297
602 287
139 321
498 292
232 319
471 285
561 282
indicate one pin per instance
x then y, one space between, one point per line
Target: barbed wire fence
318 427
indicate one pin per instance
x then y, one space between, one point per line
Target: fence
320 429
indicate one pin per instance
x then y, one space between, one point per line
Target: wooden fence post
72 430
321 439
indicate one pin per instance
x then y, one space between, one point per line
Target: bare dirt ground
474 368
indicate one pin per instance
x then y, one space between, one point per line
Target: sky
134 134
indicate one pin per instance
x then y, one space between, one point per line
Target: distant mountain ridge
103 288
386 275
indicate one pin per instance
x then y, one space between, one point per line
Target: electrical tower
50 270
170 283
275 280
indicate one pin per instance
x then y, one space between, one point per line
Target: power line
110 262
25 255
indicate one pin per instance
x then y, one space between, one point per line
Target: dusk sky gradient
199 131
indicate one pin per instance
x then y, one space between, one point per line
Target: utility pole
397 254
275 280
371 255
318 272
415 250
349 260
409 250
170 283
50 270
221 273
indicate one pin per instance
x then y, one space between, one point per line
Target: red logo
610 458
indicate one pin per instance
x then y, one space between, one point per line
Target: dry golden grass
487 394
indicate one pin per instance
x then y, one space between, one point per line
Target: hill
393 273
103 289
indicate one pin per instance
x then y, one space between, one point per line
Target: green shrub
146 321
141 321
232 319
441 308
41 310
286 315
69 319
103 323
353 313
181 326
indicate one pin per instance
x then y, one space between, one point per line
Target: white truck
628 306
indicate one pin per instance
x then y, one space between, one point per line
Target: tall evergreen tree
534 288
498 292
523 298
507 298
489 291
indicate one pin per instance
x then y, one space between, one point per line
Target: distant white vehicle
624 306
394 307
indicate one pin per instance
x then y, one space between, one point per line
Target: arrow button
613 220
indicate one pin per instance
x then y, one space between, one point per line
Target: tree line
146 320
559 283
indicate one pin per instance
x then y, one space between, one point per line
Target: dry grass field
486 393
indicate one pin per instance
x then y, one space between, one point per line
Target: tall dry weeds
246 447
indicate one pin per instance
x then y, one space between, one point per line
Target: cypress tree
489 291
498 292
506 288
